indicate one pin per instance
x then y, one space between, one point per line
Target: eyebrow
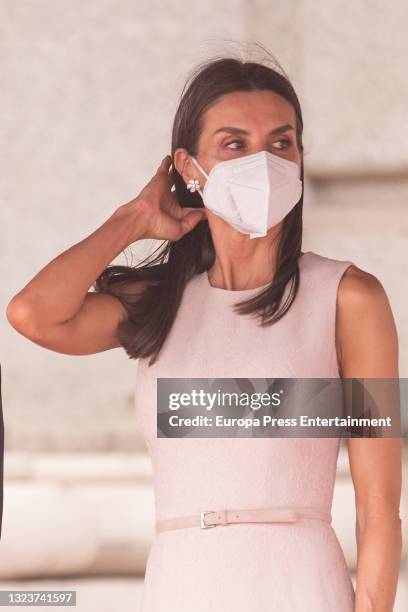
235 130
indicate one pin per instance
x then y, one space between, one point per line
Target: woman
301 315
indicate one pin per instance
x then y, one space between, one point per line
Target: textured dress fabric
282 567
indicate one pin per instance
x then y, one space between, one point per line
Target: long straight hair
151 312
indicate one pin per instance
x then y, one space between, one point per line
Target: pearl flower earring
193 185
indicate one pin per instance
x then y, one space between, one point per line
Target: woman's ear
183 164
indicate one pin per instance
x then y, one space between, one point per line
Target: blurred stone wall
88 97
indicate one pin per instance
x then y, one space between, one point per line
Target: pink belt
216 518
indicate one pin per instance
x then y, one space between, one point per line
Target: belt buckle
202 524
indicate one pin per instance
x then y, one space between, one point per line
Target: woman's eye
285 142
234 142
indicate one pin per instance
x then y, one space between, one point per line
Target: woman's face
242 123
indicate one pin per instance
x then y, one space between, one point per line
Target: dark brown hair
151 313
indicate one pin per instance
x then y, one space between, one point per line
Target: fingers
191 219
186 210
164 165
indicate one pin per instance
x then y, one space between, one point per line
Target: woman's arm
56 310
368 348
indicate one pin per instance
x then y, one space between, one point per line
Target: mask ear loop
195 162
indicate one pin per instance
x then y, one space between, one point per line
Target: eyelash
285 140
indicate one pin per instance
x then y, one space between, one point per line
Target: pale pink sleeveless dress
279 567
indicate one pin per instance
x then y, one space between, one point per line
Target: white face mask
252 193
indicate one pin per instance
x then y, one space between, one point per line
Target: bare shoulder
360 292
365 328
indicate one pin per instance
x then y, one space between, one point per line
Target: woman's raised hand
158 213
